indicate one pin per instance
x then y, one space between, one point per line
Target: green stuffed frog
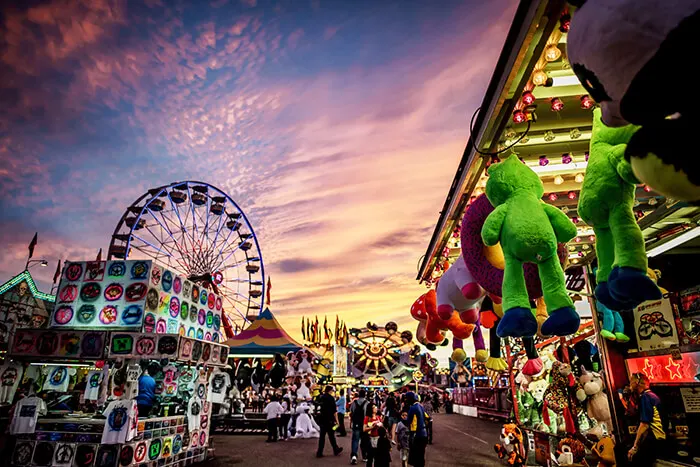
606 204
528 230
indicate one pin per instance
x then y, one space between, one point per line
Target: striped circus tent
263 338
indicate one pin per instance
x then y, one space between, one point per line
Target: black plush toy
632 57
278 371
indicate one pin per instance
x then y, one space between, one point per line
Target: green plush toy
606 202
528 230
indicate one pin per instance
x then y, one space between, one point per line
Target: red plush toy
425 309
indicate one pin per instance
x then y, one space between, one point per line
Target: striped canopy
264 336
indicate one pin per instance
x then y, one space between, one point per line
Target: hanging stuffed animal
598 406
586 356
612 328
243 374
556 398
458 291
528 230
606 204
624 52
425 309
495 362
278 371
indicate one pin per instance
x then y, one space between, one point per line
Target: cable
493 154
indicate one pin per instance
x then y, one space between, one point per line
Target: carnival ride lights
200 232
379 350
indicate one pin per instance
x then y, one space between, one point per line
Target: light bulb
586 102
652 201
572 195
548 136
566 158
557 104
552 53
539 78
558 180
579 178
519 116
574 133
543 161
528 98
565 210
553 197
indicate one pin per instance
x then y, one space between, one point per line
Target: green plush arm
564 229
624 169
491 231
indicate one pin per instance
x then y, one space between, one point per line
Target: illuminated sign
664 369
340 360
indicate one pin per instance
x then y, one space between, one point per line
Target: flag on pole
325 328
269 287
337 328
32 244
57 274
99 256
303 330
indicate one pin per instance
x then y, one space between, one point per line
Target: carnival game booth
85 369
537 119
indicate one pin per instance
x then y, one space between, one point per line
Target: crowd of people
383 425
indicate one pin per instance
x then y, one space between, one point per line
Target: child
402 435
382 453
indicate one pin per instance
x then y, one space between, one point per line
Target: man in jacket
327 421
419 434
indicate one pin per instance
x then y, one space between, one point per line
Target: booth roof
264 336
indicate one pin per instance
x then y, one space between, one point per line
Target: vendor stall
82 378
536 113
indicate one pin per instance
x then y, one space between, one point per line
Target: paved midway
457 441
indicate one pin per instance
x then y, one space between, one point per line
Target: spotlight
528 98
586 102
566 158
543 161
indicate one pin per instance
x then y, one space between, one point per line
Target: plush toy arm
564 229
624 169
491 231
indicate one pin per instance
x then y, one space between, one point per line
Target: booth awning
264 337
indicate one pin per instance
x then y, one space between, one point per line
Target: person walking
391 416
402 438
373 421
650 432
341 407
272 410
428 410
419 434
285 416
382 453
328 421
358 409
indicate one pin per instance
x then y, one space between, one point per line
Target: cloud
340 156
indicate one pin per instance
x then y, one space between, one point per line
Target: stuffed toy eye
591 82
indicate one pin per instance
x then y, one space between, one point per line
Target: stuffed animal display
457 291
425 309
623 53
605 452
597 405
528 230
511 448
556 397
570 451
613 328
606 204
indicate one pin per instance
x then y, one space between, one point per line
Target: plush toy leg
459 328
495 362
605 251
472 318
628 281
619 328
608 328
563 318
518 320
534 364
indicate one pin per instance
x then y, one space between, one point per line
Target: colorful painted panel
102 294
59 343
175 305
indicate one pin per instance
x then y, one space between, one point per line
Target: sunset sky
336 125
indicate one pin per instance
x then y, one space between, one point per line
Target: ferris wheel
380 350
198 231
